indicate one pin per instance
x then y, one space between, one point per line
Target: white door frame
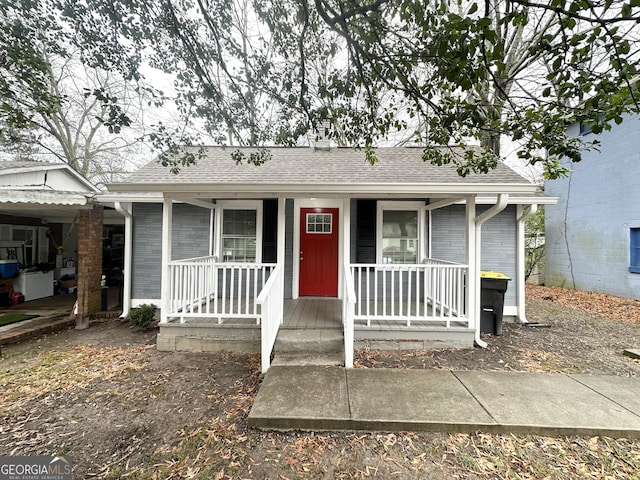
299 203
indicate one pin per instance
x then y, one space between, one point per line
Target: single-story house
395 249
593 232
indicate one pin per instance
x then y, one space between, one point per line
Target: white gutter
125 211
520 261
501 204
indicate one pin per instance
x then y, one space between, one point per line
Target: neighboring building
398 246
44 206
593 233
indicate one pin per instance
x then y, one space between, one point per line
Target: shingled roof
309 168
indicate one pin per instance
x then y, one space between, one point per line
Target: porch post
472 261
346 258
125 209
217 233
281 250
89 263
167 221
346 242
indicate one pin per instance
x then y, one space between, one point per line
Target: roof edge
51 166
319 188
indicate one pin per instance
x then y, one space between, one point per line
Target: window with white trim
400 227
240 235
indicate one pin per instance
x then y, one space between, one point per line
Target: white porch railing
429 293
202 288
271 301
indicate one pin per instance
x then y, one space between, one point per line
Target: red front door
319 252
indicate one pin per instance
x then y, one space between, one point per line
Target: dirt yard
121 409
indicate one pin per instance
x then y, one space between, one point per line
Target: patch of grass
118 473
9 318
156 390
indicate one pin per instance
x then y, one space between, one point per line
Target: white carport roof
38 198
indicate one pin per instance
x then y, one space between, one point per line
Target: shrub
142 316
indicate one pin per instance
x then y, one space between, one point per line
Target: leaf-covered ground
121 409
600 304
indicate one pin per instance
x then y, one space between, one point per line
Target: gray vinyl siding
499 248
587 234
499 241
288 248
147 250
448 234
190 235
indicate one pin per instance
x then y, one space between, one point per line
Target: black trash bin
493 286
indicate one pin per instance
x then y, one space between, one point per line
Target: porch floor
313 313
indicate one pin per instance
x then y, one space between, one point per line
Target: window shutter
270 231
366 231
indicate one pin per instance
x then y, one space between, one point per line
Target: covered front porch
213 305
214 302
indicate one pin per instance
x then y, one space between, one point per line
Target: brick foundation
89 263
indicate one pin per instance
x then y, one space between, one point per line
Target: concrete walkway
53 314
335 398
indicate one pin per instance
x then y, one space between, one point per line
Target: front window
400 234
239 235
634 244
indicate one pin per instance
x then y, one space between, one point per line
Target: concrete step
309 341
331 359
